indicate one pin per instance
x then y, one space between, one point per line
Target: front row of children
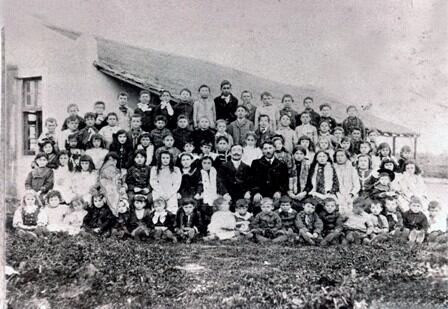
372 221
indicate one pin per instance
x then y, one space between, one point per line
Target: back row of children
169 153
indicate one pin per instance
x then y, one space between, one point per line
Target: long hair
86 158
33 193
61 153
109 155
115 146
159 161
312 147
97 136
383 146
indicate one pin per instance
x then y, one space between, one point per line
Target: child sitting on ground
75 217
222 223
243 219
163 221
267 223
288 217
358 225
393 216
415 222
437 219
41 178
188 221
380 225
309 224
120 228
56 212
139 223
99 219
332 222
29 218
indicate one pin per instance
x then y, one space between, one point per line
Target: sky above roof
390 55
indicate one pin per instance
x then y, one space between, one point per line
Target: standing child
63 177
182 133
352 121
356 140
365 174
144 143
309 224
288 216
29 217
165 109
406 155
41 178
250 150
267 108
110 129
325 131
203 133
286 109
338 134
306 128
97 151
99 220
415 222
72 129
221 131
49 133
325 115
168 145
307 143
264 131
165 180
204 107
288 134
239 128
122 145
159 132
188 221
348 179
222 151
163 221
184 106
332 222
56 212
222 223
87 132
246 101
73 110
100 115
324 144
137 178
85 178
123 111
146 108
358 225
267 224
136 129
140 224
243 219
315 117
75 217
226 103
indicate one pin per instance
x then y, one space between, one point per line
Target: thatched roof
156 70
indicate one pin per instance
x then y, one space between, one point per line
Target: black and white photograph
224 154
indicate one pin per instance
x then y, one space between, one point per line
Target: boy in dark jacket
146 109
182 133
203 133
415 222
137 178
99 219
139 223
120 228
288 216
41 178
332 222
159 132
309 224
188 221
184 107
267 223
86 133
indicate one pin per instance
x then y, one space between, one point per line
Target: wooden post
394 140
415 146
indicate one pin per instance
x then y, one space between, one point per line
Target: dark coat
225 110
138 176
394 224
189 186
315 118
200 135
134 222
415 221
184 108
288 218
99 218
331 221
40 179
331 121
170 221
182 220
268 179
236 181
315 224
147 116
181 136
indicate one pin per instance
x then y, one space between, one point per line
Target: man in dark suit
269 175
235 175
226 103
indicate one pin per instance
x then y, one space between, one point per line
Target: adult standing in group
123 111
235 175
269 175
226 103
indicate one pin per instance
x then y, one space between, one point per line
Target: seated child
309 224
243 219
383 188
365 173
282 154
56 212
137 178
41 178
299 176
332 222
120 228
359 224
163 221
393 216
288 217
75 217
415 222
222 223
140 224
437 232
99 219
29 218
188 221
189 186
267 224
380 225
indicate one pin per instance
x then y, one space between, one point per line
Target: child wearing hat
358 225
383 187
288 216
309 224
332 222
415 222
243 218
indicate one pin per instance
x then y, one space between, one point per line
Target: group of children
161 171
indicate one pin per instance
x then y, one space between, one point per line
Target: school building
48 67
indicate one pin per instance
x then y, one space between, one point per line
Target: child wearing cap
139 223
284 129
383 188
332 222
267 224
188 221
239 128
358 225
309 224
182 133
288 217
243 218
415 222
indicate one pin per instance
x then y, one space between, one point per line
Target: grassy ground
75 272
